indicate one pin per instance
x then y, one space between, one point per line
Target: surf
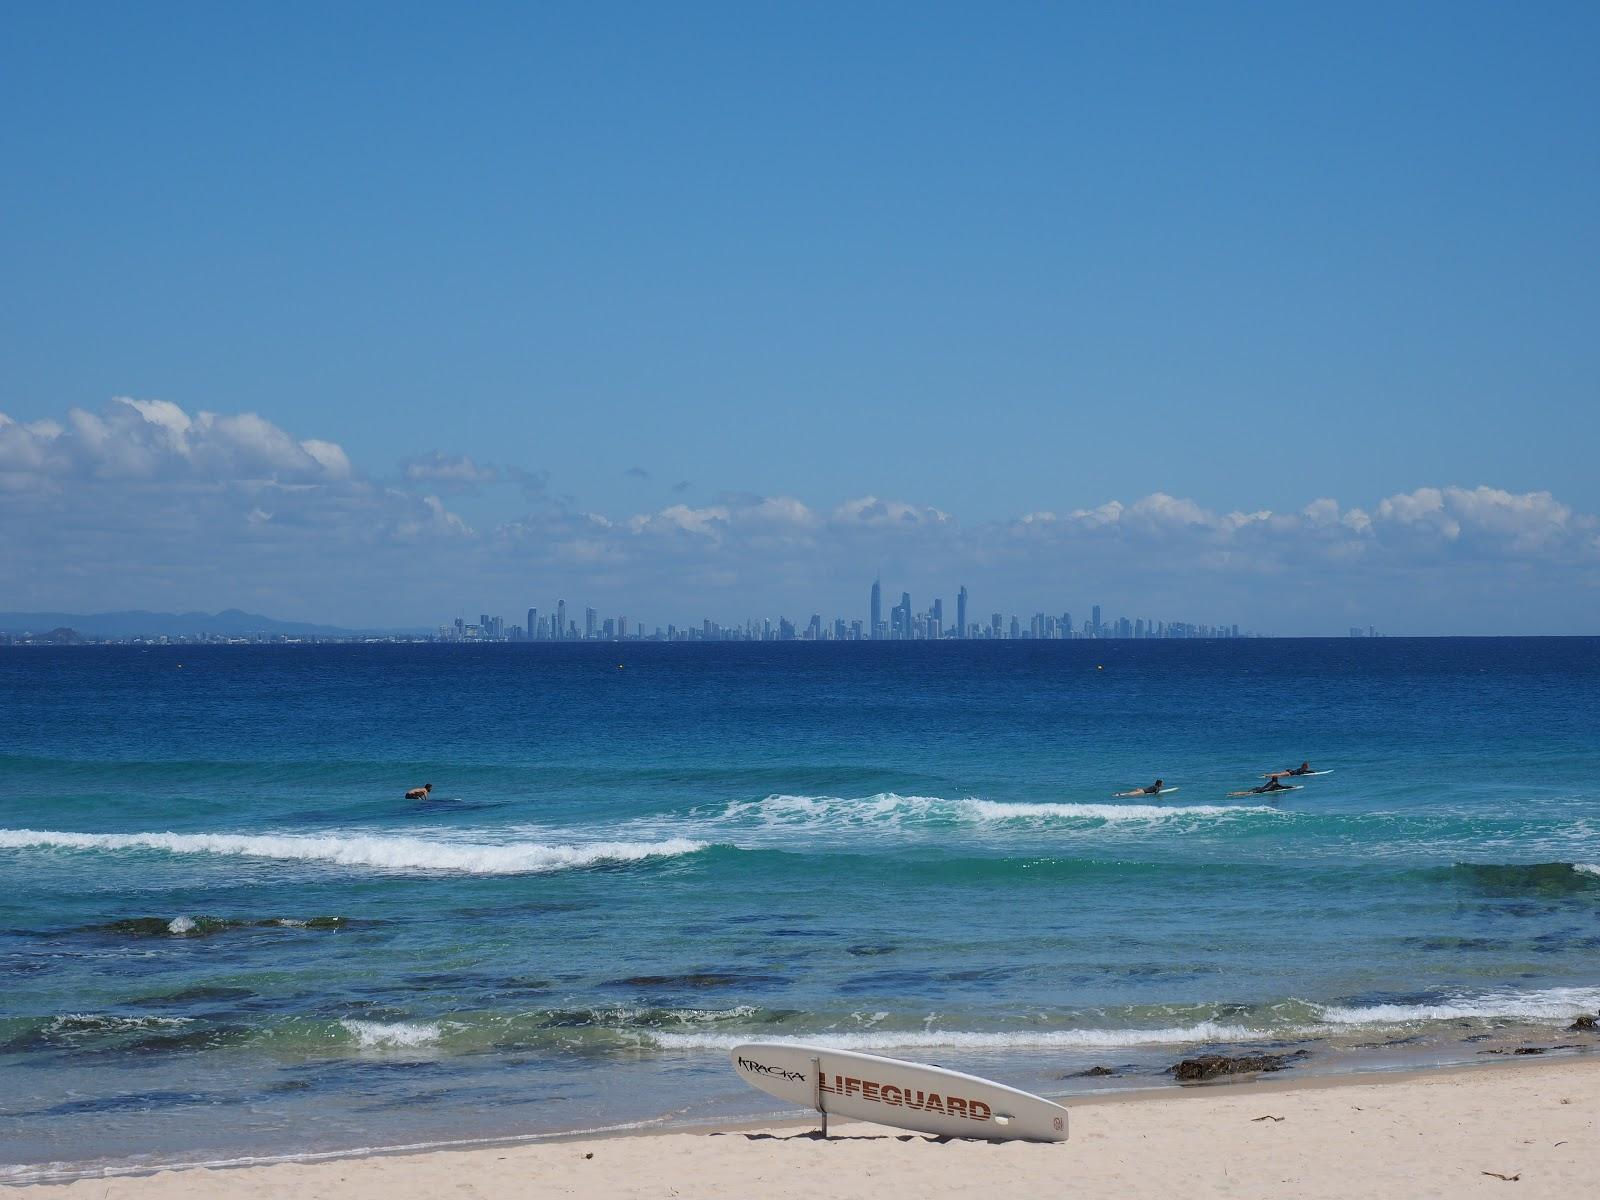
387 853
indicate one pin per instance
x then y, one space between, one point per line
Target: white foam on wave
180 925
993 810
1561 1003
894 810
1018 1039
383 852
393 1035
791 810
1587 868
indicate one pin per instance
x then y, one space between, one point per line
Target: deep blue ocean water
223 932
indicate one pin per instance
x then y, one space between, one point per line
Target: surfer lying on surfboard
1271 785
1303 769
1155 789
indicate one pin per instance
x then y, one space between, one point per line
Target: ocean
224 934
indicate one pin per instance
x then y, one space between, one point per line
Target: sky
1281 315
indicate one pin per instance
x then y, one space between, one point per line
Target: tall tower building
877 607
937 613
560 628
1096 620
589 616
961 612
533 623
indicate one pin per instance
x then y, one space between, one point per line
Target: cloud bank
143 504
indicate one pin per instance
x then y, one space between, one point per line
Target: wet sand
1445 1132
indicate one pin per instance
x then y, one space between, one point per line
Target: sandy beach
1526 1126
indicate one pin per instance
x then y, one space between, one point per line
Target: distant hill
232 622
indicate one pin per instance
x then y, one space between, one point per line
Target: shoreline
1490 1101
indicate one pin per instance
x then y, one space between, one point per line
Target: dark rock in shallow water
180 926
1213 1066
202 994
699 979
1587 1023
1092 1072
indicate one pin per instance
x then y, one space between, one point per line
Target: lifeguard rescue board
890 1091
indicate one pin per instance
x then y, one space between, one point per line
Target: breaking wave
1040 1039
393 1035
381 852
1547 1004
894 810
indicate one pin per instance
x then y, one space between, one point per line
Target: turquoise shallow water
223 932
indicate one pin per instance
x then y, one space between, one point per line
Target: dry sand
1438 1133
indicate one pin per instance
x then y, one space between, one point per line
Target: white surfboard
1288 787
1294 775
907 1095
1136 795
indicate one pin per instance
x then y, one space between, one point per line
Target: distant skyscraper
1096 620
877 606
905 614
560 626
533 623
961 612
938 618
588 622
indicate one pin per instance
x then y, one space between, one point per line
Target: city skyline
905 623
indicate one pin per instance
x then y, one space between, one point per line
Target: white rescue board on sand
890 1091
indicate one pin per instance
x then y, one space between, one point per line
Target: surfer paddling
1155 789
1271 785
1303 769
420 793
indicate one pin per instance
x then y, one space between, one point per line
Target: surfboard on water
1288 787
1287 774
906 1095
1134 795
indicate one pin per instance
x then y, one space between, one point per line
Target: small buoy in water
1100 666
619 666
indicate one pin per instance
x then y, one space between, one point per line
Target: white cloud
144 504
455 471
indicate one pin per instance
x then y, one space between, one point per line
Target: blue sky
980 260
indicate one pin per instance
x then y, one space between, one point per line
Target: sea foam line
1560 1003
893 809
1059 1039
994 810
387 853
